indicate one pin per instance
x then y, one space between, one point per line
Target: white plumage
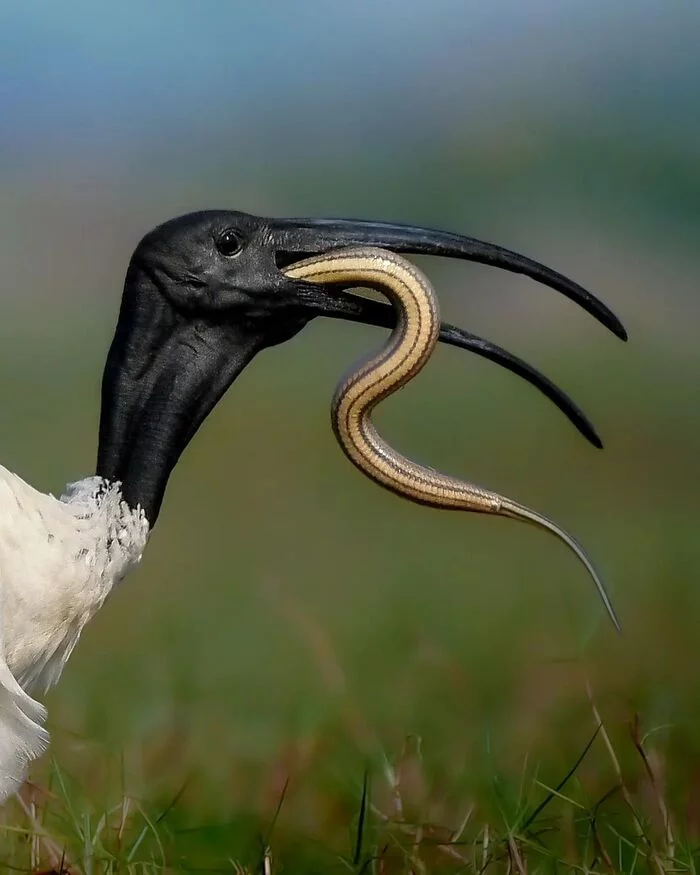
59 560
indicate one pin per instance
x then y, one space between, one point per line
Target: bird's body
59 560
203 295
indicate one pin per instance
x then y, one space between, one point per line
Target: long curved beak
298 238
294 239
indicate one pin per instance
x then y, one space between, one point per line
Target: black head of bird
205 292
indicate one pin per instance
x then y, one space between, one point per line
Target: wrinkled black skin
192 318
190 321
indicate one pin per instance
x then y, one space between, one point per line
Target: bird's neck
164 374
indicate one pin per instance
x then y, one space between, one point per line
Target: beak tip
620 331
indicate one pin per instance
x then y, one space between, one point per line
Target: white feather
59 560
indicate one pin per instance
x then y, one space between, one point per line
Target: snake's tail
519 511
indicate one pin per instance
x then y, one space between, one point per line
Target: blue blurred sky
317 75
508 120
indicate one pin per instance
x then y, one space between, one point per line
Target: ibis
203 294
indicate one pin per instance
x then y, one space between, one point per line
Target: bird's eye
229 243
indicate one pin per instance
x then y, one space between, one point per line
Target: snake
375 377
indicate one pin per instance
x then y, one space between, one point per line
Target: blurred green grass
290 615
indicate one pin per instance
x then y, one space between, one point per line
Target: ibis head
205 292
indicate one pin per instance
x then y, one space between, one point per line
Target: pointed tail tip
616 623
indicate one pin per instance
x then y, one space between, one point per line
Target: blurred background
286 605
